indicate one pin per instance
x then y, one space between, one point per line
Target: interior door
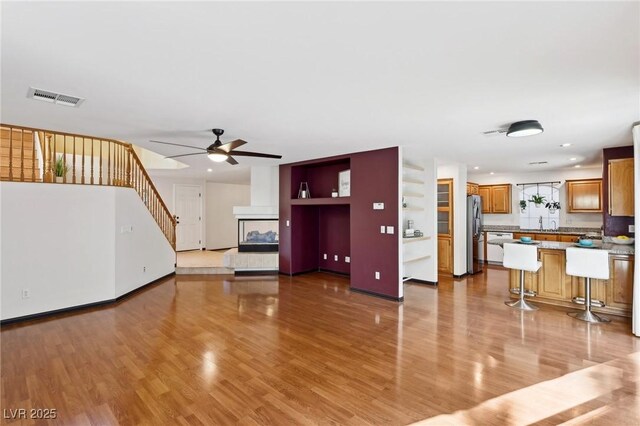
188 208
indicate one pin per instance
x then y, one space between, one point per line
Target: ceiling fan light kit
218 157
524 128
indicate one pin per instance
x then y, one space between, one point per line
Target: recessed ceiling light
492 173
577 166
572 159
564 145
476 167
524 128
209 170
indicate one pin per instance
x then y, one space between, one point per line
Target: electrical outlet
144 269
377 275
383 229
324 256
26 293
390 230
378 206
347 259
335 257
632 229
287 223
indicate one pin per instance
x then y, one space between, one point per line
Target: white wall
144 254
591 220
61 242
222 226
457 172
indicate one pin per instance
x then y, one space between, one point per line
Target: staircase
18 156
49 157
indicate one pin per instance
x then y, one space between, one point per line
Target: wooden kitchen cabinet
546 237
445 225
568 238
584 196
496 199
621 187
620 290
445 255
472 188
551 278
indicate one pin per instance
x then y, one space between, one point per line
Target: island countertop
612 248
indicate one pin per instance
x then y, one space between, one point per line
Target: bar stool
525 258
588 264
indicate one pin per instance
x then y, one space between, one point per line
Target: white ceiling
309 80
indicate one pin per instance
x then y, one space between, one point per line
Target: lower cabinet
445 260
555 287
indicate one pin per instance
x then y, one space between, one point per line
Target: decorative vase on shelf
334 193
303 192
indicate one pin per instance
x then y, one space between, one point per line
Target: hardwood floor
305 350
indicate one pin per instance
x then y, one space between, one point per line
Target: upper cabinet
472 188
584 196
621 187
496 199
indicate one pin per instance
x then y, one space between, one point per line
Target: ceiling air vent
53 97
537 163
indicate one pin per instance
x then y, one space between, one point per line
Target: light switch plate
390 230
632 228
383 229
378 206
335 257
324 256
347 259
377 275
287 223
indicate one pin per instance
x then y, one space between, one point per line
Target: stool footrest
594 302
530 293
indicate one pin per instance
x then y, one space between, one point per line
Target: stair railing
79 160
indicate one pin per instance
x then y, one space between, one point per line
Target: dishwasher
495 253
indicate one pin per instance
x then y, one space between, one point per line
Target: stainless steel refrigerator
475 239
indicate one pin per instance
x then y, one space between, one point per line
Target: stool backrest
520 256
588 263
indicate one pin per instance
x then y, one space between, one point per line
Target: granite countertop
561 230
556 245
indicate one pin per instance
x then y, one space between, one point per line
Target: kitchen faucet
540 222
554 227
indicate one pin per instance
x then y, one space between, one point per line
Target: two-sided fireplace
257 235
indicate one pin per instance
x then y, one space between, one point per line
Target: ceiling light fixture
577 166
524 128
572 159
492 173
476 167
209 170
564 145
218 157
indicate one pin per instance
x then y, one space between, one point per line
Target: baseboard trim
40 315
417 281
460 276
329 271
254 273
382 296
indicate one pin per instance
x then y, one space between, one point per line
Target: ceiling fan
219 151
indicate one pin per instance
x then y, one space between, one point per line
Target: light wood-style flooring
202 350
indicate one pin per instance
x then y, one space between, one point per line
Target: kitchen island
554 287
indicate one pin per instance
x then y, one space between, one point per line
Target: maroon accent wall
334 237
614 225
374 178
352 229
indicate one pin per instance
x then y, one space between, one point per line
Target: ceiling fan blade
231 160
255 154
184 155
227 147
177 144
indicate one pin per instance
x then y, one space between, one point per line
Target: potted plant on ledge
60 169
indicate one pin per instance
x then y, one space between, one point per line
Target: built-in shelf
413 209
412 167
413 195
414 259
411 180
412 239
320 201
